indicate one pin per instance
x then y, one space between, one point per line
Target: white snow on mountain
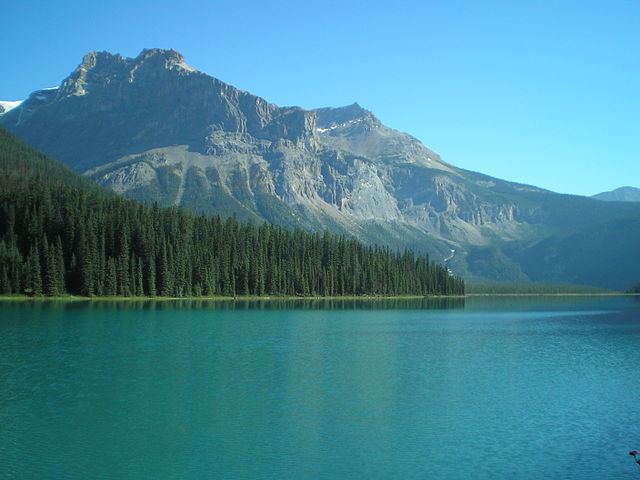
7 106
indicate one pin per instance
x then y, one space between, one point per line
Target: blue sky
539 92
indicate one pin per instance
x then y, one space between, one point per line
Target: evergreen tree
111 284
34 275
54 268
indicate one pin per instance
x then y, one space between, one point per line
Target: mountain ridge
155 129
621 194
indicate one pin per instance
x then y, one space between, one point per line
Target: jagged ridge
156 129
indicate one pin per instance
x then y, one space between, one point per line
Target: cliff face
112 106
155 129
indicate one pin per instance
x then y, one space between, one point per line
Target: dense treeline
530 288
634 288
57 239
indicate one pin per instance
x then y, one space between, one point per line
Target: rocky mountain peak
90 60
91 69
113 105
105 60
169 53
99 69
331 118
169 59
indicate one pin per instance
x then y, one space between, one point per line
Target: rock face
155 129
112 106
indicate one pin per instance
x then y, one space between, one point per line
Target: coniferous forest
62 234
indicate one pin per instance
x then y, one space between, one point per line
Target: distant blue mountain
622 194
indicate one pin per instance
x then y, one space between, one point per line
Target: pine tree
111 284
34 284
54 270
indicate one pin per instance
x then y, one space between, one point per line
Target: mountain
153 128
622 194
61 233
604 254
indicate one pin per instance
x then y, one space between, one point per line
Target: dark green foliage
54 268
530 289
56 239
493 264
33 272
20 162
634 289
603 255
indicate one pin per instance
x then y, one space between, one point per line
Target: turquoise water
480 388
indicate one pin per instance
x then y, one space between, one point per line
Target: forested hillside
59 234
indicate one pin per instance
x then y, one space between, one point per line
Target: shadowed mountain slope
622 194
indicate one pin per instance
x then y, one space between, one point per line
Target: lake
475 388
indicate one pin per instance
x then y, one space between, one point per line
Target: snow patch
340 125
8 106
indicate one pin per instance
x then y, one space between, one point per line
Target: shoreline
72 298
78 298
568 294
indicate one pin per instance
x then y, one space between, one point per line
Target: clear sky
539 92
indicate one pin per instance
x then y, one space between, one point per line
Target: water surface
482 388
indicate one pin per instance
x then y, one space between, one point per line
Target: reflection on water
435 303
634 298
489 303
539 302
